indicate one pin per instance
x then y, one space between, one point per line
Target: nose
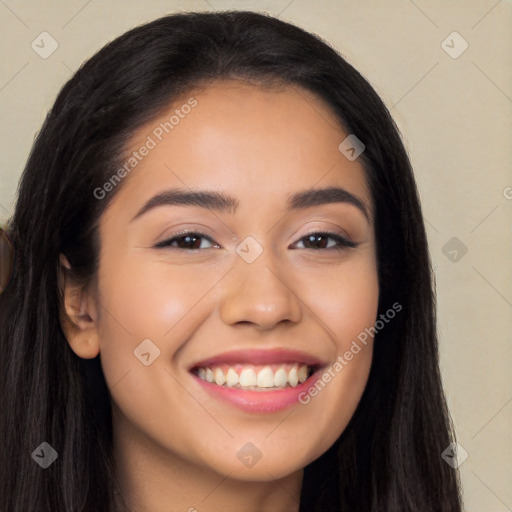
259 294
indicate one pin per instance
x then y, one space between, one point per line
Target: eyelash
343 243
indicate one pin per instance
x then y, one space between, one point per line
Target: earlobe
77 314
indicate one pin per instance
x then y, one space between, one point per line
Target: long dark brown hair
388 459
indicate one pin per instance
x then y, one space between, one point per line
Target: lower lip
258 401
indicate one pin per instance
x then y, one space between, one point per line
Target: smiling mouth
252 377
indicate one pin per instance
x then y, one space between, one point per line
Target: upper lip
260 357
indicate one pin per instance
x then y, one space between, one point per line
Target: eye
187 240
320 240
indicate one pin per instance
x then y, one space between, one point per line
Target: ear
78 314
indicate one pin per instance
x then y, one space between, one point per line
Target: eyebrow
223 203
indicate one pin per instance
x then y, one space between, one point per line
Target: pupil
319 237
191 239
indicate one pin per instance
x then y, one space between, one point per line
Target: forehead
255 141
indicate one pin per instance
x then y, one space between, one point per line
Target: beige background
455 116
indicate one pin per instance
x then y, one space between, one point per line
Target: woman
223 298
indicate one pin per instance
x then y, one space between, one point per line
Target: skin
175 444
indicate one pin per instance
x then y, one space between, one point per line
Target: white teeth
247 377
265 378
231 378
280 378
219 377
303 373
269 376
293 378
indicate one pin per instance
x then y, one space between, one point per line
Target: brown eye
190 240
323 240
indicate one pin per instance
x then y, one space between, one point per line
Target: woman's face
267 293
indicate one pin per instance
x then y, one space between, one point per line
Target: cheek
344 300
150 298
345 303
143 301
140 301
